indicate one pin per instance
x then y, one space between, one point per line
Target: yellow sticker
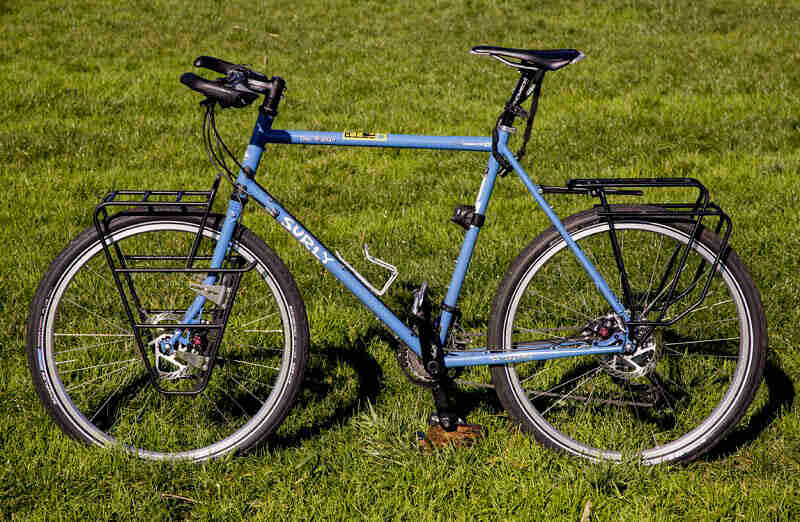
364 136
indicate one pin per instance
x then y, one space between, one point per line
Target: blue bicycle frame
264 134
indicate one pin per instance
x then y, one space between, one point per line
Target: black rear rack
123 266
690 212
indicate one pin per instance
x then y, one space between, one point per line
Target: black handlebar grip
226 96
214 64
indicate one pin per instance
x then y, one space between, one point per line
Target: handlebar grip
214 64
226 96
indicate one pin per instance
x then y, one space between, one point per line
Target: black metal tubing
691 213
203 220
627 295
530 82
139 203
588 192
212 354
186 270
203 326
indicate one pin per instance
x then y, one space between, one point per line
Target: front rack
145 319
691 213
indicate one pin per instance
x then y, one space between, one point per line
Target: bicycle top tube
365 139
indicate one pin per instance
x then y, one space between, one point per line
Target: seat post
517 97
528 82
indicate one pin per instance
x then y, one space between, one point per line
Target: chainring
413 368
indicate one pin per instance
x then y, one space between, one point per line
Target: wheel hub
639 363
185 361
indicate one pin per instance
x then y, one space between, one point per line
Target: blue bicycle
624 332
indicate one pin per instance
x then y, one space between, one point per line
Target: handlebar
226 96
240 86
214 64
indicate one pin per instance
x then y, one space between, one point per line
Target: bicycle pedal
464 436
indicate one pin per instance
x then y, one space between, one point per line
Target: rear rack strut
691 212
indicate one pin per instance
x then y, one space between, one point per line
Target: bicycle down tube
263 134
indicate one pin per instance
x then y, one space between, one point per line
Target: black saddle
549 60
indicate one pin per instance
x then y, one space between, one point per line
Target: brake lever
239 80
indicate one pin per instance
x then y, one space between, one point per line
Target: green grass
91 101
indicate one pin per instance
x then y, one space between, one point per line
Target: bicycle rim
680 393
100 384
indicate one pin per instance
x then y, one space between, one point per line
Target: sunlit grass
92 101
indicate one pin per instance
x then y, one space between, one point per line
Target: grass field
91 101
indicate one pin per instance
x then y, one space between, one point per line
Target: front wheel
682 389
88 370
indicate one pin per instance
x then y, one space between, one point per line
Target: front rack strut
196 203
692 213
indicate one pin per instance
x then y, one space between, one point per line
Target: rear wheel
88 369
682 389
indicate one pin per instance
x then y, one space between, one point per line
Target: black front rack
146 320
691 213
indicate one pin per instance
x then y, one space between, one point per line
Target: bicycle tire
87 368
695 379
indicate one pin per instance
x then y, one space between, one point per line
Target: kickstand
445 427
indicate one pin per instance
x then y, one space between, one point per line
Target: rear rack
144 320
691 212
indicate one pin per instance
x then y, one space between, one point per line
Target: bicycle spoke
653 273
703 341
90 335
214 405
560 304
256 320
114 363
233 400
593 374
599 267
710 306
258 383
572 292
90 346
255 347
104 376
245 388
671 352
111 396
108 322
248 363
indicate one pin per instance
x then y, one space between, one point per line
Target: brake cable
211 137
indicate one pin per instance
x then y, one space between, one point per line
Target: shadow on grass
781 397
780 390
331 373
468 399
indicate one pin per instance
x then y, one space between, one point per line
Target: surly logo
305 239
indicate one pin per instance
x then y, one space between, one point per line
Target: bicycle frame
263 134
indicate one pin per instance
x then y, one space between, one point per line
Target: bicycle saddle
550 59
